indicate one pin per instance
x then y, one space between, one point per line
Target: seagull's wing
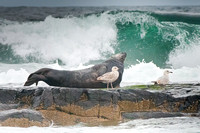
163 80
106 76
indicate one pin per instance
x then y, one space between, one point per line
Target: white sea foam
141 73
73 40
13 76
144 73
189 57
187 53
164 125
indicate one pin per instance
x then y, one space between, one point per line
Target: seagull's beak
170 72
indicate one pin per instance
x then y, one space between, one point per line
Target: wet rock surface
32 115
68 106
183 90
147 115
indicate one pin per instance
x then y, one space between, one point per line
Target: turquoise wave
153 37
144 35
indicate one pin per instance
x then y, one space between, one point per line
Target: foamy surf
164 125
144 73
141 73
66 38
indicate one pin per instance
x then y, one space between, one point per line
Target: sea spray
145 73
164 125
72 40
189 57
141 73
96 36
76 38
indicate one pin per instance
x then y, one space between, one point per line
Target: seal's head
121 57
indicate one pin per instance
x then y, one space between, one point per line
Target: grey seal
85 78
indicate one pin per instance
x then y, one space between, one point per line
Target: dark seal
85 78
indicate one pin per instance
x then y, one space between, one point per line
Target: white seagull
163 80
109 77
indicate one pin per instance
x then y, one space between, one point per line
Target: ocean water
161 125
154 38
71 38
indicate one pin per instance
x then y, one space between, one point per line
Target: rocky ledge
43 106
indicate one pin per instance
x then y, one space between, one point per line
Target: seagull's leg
107 85
111 85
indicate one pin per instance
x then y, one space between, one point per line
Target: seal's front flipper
31 80
34 78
